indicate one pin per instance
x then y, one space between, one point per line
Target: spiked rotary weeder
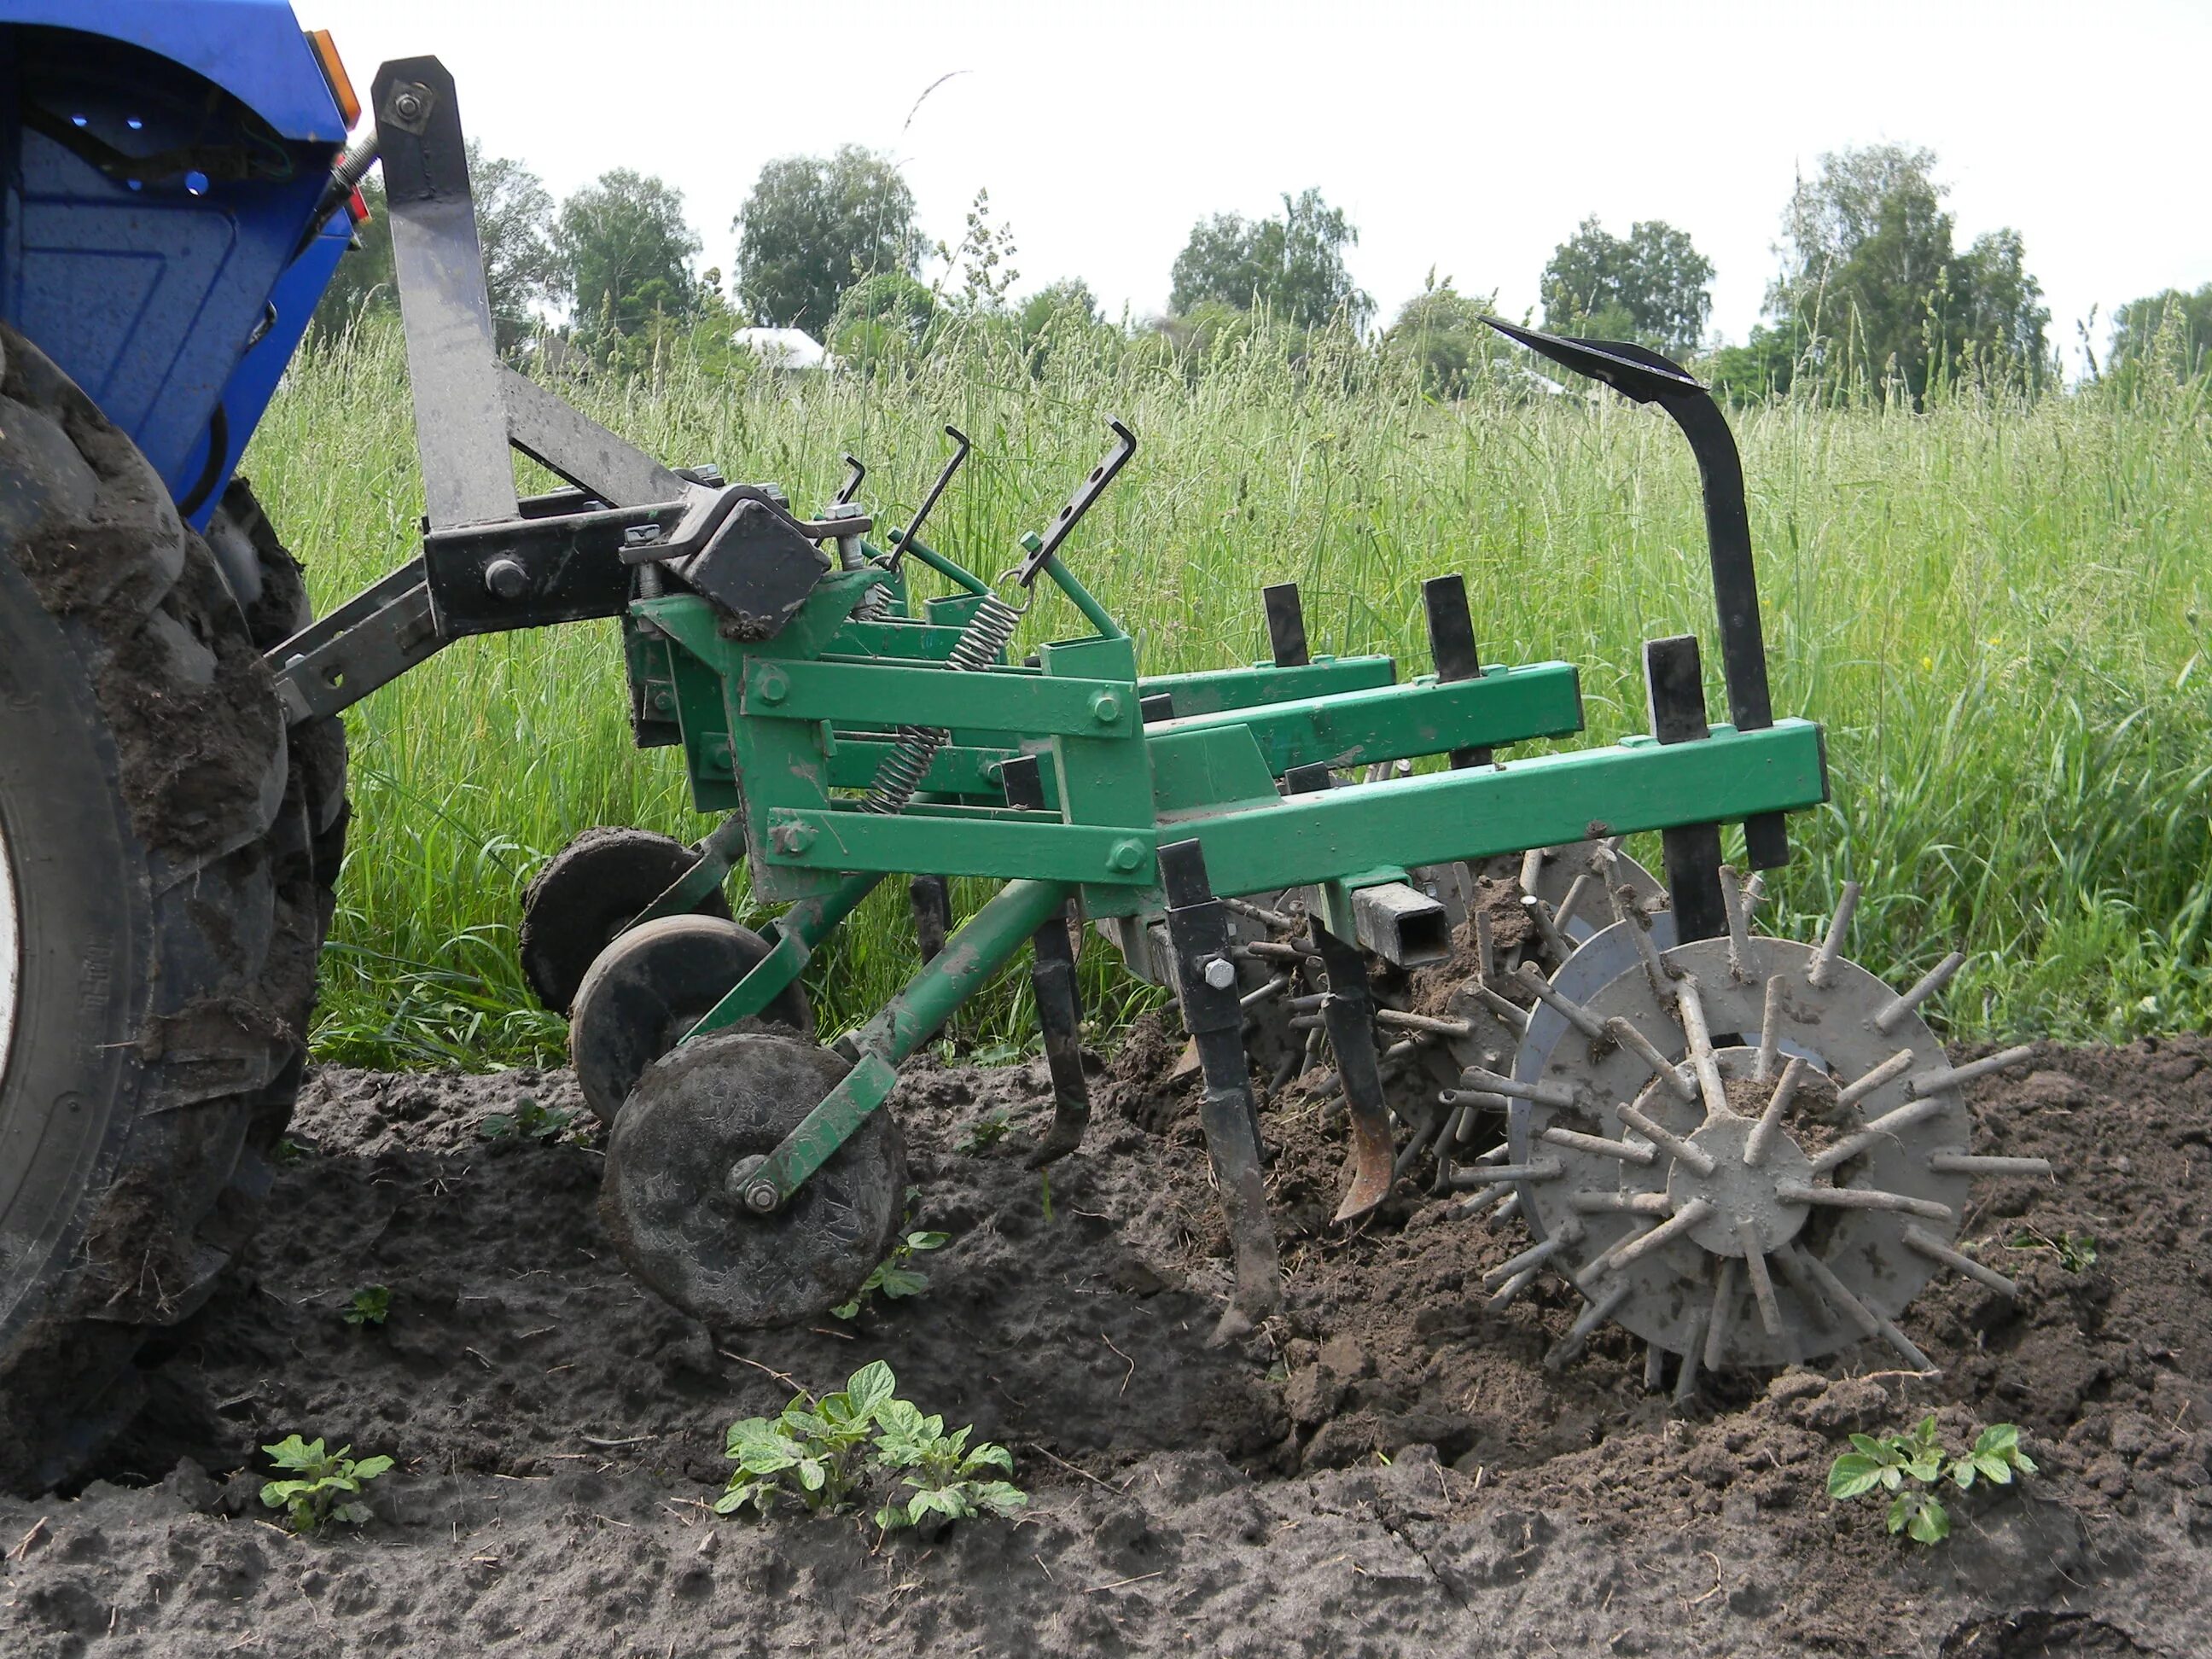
1741 1149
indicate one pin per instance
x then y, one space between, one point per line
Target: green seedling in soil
985 1133
2076 1252
813 1449
371 1305
1888 1462
287 1150
892 1276
324 1485
946 1477
528 1120
822 1450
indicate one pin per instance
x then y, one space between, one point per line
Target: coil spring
901 771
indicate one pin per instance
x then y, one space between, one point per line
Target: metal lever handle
1080 503
856 469
944 477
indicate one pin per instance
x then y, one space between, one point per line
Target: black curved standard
1644 376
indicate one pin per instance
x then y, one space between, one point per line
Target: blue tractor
178 193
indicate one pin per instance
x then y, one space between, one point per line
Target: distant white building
781 347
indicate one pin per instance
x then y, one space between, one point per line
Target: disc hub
1739 1193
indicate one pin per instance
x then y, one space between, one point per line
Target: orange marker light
334 71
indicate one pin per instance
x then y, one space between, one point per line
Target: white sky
1470 137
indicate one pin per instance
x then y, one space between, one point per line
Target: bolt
1125 855
504 579
664 700
1030 542
773 684
759 1196
1219 972
408 105
1105 708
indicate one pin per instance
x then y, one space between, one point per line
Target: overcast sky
1471 138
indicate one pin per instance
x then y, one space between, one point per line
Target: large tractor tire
166 854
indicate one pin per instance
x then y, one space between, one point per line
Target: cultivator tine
1286 625
1451 646
1349 1013
931 897
1205 980
1052 978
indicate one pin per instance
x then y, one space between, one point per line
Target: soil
1386 1468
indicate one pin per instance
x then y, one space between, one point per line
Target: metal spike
1544 1094
1548 927
1863 1198
1655 1367
1579 1332
1512 1290
1769 1121
1515 1016
1682 1221
1937 1250
1576 892
1754 895
1832 1288
1739 921
1895 1066
1543 1169
1497 1154
1689 1003
1685 1375
1808 1290
1486 960
1717 1323
1535 1257
1930 983
1904 1345
1816 974
1629 1151
1532 868
1274 987
1889 1123
1617 1203
1697 1157
1654 969
1769 1030
1506 1209
1950 1077
1632 1038
1762 1282
1574 1013
1966 1164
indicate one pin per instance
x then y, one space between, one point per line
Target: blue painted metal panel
174 299
252 49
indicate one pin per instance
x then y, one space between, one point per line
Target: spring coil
901 771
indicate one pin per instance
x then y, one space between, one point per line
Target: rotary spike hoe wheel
1747 1152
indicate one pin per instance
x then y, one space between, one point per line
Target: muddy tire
165 856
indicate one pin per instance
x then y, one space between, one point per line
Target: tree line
1872 293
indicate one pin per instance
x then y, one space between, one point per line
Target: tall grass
1997 608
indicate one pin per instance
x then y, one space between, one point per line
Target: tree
2171 320
880 315
1442 331
814 226
1055 315
1871 277
1293 267
1649 287
623 253
514 227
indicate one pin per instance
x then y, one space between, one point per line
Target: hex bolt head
759 1196
409 104
1220 973
504 579
1105 708
773 684
1125 855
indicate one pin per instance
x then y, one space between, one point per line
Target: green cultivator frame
1259 822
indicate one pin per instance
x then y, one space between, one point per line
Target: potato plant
1913 1467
